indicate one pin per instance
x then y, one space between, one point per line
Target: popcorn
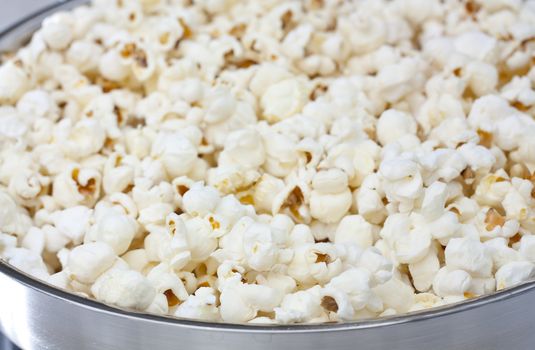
124 288
200 306
76 186
424 271
57 31
395 294
112 66
408 244
482 77
347 293
117 230
527 248
265 192
259 247
176 152
283 99
73 222
330 198
354 229
14 82
200 200
514 273
163 278
366 33
315 263
88 261
243 148
34 240
501 253
13 219
241 302
470 255
303 163
475 45
28 262
450 282
392 124
403 181
84 55
301 306
369 200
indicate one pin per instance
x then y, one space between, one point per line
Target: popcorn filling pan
37 316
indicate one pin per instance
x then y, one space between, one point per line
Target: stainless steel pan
36 316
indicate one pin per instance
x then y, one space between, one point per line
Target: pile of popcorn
273 161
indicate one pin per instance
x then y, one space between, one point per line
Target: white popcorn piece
424 271
241 302
260 250
354 229
403 181
163 278
14 82
425 301
513 273
300 306
84 54
451 282
315 263
88 261
501 253
369 200
265 192
395 294
469 255
283 99
112 66
482 77
200 306
392 124
380 267
330 198
73 222
366 33
475 45
124 288
408 244
59 280
117 230
27 261
136 259
200 200
176 152
76 186
34 240
348 293
57 31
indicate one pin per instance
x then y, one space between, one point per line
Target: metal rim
45 288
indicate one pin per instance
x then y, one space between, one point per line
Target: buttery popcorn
272 161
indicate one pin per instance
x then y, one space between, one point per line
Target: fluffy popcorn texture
272 161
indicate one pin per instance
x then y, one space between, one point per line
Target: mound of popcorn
276 161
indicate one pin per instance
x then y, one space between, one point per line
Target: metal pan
37 316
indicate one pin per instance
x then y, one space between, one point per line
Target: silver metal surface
37 316
13 10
